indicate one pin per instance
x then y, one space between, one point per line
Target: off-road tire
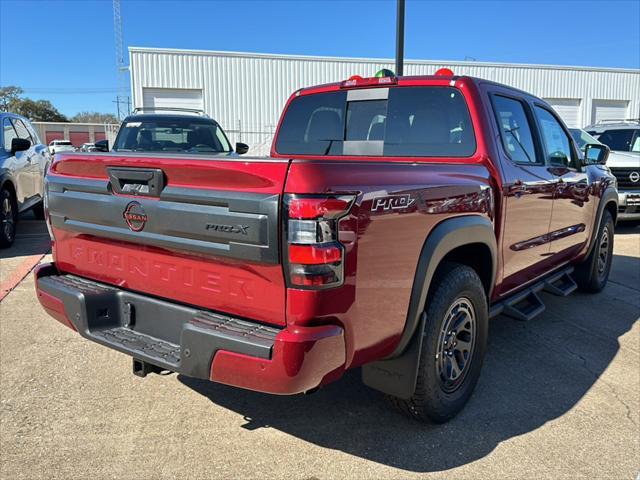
431 402
593 273
7 219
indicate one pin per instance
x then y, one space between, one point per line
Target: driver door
17 165
33 166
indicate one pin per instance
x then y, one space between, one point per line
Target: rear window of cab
428 121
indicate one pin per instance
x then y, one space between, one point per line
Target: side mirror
241 148
102 146
596 154
19 145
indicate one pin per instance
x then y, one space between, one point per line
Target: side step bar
560 284
527 304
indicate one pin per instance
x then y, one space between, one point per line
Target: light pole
400 38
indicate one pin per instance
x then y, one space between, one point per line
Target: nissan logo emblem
634 177
135 216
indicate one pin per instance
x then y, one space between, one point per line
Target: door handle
558 171
518 188
136 181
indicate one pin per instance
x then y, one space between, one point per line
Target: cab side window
8 134
556 142
515 129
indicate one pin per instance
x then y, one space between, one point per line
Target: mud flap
397 376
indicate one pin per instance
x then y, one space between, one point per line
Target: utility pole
121 68
400 38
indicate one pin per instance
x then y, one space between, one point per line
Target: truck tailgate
199 231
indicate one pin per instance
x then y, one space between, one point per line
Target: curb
23 269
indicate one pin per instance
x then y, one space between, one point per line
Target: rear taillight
314 256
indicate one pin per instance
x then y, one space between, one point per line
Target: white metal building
245 92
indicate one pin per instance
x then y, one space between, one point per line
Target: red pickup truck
395 216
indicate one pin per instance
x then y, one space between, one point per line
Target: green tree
94 117
38 110
8 97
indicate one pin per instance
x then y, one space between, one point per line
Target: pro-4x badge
392 202
216 227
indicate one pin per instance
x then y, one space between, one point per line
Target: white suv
56 146
623 138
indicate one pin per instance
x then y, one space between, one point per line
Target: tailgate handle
147 182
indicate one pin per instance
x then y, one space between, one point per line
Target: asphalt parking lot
559 398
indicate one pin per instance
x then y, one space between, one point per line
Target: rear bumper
193 342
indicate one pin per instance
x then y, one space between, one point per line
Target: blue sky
63 51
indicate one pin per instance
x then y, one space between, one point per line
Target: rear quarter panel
380 267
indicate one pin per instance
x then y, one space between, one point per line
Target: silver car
623 138
24 161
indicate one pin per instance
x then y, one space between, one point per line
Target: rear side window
411 122
515 129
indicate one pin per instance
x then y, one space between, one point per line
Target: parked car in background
582 138
24 161
88 147
57 146
172 131
623 138
395 216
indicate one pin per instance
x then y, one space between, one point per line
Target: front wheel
453 345
593 273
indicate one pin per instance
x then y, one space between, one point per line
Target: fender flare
610 195
444 238
397 374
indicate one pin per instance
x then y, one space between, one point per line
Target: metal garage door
52 135
568 109
78 138
609 110
172 98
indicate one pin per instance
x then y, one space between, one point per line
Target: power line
69 91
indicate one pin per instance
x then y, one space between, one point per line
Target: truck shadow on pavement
628 228
32 238
533 373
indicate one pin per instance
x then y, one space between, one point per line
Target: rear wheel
593 273
453 345
8 217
